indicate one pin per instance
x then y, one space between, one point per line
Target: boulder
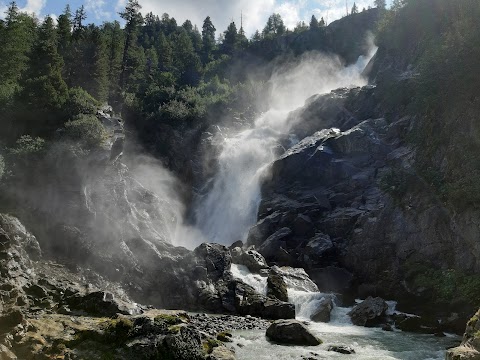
6 354
342 349
462 353
332 279
274 242
416 324
370 312
276 286
221 353
291 332
303 226
274 309
101 303
324 310
296 278
252 259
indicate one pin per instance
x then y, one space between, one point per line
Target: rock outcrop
470 347
370 312
291 332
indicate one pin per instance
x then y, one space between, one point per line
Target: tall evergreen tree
16 40
274 26
80 16
354 9
44 87
165 53
230 41
314 23
208 39
133 55
380 4
64 30
115 44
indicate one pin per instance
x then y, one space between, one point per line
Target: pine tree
274 26
256 36
322 22
16 40
230 41
100 66
314 23
44 87
133 55
80 16
208 39
115 43
380 4
64 30
186 60
165 53
354 9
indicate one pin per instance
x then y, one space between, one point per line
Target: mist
227 211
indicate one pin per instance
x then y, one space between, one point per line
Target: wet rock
274 309
291 332
296 278
303 226
416 324
101 303
217 259
252 259
332 279
370 312
342 349
221 353
276 286
270 248
6 354
325 307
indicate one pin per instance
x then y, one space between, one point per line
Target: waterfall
226 213
258 282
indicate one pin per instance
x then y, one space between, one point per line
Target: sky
255 12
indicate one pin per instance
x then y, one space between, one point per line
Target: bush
26 145
80 102
87 130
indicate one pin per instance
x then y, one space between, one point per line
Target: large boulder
291 332
324 310
470 347
276 286
252 259
370 312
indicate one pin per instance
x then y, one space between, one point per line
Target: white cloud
34 6
255 12
97 8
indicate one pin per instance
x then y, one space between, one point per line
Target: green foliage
210 344
27 146
446 285
87 130
169 319
80 102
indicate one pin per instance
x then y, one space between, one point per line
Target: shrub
80 102
26 145
87 130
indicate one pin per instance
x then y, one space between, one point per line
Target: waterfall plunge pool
369 343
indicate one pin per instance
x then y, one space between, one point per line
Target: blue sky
255 12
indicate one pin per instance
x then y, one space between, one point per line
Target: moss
444 285
224 337
210 344
169 319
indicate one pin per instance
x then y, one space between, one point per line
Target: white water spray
226 213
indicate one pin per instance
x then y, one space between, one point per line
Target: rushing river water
369 343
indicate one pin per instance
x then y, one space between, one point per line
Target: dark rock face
347 205
276 287
324 310
370 312
291 332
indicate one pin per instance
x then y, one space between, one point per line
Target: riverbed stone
291 332
341 349
370 312
324 310
276 286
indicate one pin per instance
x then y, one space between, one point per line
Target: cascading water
229 209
